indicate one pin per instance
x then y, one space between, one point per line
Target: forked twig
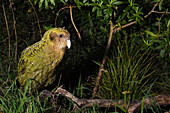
58 14
151 10
71 15
131 23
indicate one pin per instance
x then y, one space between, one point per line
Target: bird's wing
25 64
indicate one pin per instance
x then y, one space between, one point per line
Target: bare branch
151 10
9 45
104 60
131 23
7 30
58 14
161 12
135 105
71 15
60 11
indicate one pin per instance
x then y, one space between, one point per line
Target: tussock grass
128 72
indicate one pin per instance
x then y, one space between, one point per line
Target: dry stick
36 17
161 12
133 106
74 23
151 10
8 36
71 15
7 30
104 58
159 28
59 12
15 32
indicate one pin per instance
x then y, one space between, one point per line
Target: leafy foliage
160 39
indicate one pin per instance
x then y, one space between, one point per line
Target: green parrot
38 61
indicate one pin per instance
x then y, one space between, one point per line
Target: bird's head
59 38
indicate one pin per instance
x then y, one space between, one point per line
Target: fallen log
161 100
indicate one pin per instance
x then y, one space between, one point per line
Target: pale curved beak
68 42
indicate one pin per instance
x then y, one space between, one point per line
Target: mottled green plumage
38 61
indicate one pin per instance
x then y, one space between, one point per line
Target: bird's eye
60 35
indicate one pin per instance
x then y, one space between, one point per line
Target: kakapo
38 61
